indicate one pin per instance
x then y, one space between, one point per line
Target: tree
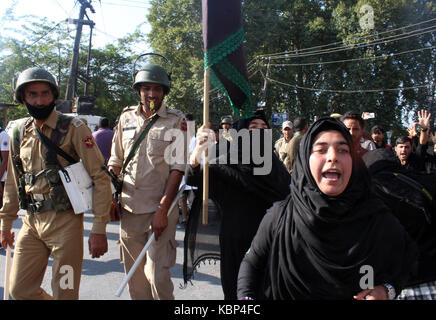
322 58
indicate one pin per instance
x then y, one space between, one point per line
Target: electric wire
341 42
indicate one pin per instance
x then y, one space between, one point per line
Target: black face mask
40 113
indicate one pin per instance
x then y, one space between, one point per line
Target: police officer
50 226
226 125
280 145
150 183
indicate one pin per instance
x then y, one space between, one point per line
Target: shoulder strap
138 141
17 135
50 145
62 124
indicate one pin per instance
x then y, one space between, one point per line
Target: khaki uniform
291 150
50 233
143 187
281 148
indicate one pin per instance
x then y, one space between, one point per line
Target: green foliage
330 58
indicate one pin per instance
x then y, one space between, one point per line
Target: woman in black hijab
242 198
331 238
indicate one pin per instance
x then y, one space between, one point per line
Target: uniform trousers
152 278
42 235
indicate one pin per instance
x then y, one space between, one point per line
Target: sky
113 18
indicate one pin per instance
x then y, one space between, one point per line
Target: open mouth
331 175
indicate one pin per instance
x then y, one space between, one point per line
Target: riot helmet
152 73
34 74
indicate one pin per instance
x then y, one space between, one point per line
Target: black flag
223 38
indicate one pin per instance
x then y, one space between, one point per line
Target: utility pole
72 80
431 106
265 83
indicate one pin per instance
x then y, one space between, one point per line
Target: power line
348 91
348 60
355 46
124 5
340 42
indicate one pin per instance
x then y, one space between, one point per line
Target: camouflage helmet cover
35 74
152 73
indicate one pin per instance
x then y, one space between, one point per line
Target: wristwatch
390 291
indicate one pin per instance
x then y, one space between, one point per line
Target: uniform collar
162 112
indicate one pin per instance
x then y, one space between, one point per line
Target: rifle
118 186
117 183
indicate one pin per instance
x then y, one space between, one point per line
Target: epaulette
77 122
129 108
175 111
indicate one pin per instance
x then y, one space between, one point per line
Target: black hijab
322 242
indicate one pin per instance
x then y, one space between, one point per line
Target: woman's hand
377 293
205 138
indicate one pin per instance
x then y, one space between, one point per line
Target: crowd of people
333 202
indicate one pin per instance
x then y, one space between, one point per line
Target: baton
7 273
144 250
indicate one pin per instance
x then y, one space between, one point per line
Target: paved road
102 277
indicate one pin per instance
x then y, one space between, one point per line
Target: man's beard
40 112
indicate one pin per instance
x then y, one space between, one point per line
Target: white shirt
367 144
4 146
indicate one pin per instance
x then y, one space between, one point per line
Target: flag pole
205 158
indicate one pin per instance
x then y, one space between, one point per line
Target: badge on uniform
89 142
184 125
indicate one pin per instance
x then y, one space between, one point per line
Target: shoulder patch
184 125
77 122
88 141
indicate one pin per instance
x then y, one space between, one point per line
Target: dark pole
72 79
265 83
87 63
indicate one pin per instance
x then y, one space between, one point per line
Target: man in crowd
226 125
419 160
377 136
50 226
280 145
103 137
300 126
151 182
355 124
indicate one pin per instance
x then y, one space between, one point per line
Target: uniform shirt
4 146
147 173
292 151
281 147
79 144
